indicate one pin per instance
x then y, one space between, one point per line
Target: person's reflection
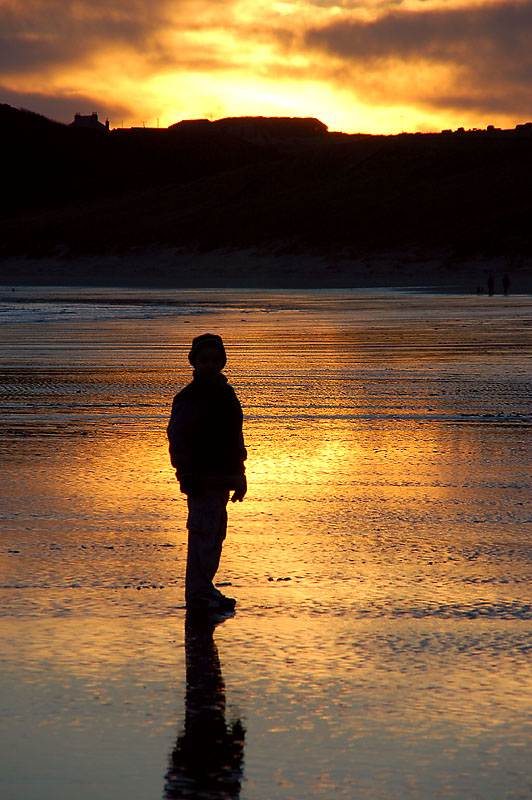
207 760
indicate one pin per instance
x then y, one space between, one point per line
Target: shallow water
381 561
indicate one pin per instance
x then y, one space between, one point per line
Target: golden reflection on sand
380 561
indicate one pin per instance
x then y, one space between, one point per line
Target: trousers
207 528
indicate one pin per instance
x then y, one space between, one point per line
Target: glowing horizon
368 66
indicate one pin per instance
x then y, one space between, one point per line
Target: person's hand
190 485
240 490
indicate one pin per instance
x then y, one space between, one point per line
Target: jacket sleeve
243 451
181 436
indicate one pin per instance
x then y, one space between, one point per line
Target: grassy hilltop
279 188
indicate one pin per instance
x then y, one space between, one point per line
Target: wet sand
382 645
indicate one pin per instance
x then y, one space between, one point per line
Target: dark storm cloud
39 33
488 48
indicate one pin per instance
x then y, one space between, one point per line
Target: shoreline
167 268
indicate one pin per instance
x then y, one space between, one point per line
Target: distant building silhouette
521 130
260 130
193 125
90 122
268 130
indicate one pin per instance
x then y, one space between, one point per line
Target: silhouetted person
207 450
491 285
506 284
207 761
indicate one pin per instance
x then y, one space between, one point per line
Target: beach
382 643
160 267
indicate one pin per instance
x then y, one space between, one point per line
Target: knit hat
206 340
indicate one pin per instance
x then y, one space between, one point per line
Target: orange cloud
357 64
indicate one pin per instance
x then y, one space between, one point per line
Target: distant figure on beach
207 760
208 453
506 284
491 285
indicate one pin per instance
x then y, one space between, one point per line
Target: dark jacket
205 433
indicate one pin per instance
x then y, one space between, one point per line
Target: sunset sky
377 66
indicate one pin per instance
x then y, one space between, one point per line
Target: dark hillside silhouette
198 184
51 164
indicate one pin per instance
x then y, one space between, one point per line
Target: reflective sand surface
382 561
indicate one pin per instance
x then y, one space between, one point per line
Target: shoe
227 603
211 602
206 603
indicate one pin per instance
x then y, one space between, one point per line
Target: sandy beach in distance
170 268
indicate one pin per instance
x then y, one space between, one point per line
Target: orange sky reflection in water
389 485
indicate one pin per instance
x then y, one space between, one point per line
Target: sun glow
370 67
